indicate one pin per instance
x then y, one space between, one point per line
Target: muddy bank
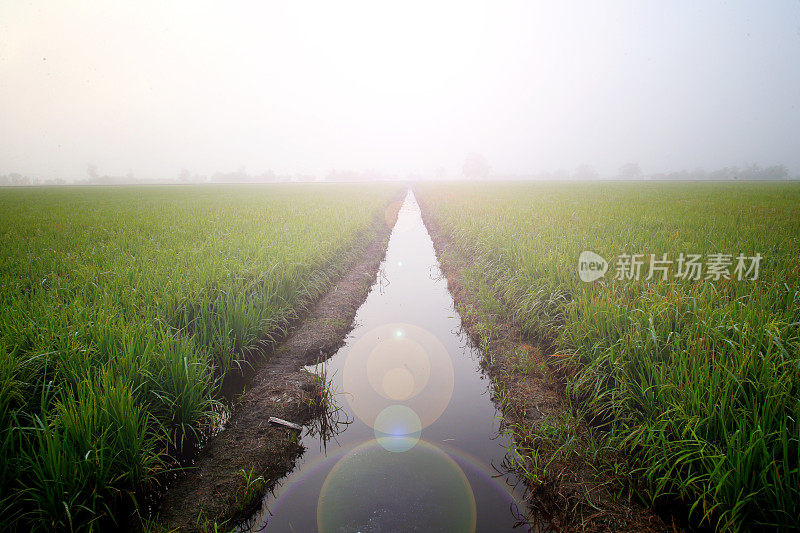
569 488
215 490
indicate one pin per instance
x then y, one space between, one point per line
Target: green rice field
697 380
121 310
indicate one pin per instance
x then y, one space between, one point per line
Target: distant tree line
355 175
475 167
15 179
632 171
752 172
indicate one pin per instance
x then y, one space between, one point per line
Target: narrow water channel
417 446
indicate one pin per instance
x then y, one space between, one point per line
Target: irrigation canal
413 441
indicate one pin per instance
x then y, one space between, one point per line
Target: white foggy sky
301 86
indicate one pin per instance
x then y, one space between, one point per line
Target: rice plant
121 310
697 380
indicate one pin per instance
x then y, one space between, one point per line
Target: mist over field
264 91
363 265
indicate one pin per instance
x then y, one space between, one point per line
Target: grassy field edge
240 465
573 480
693 380
131 452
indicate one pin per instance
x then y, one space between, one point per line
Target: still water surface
418 445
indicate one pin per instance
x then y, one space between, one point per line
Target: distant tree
777 172
184 175
19 179
585 172
475 167
558 175
440 173
630 171
91 170
268 176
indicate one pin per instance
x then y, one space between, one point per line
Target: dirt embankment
568 488
213 489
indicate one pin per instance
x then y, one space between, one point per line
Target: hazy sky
403 86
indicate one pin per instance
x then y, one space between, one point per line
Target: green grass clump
121 309
699 381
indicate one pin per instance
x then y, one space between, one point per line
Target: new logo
591 266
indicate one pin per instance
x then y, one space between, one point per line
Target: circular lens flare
398 383
397 363
371 488
397 428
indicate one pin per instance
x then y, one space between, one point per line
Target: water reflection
413 442
398 363
333 418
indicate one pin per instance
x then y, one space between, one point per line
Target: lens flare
398 383
371 487
397 428
399 368
398 364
